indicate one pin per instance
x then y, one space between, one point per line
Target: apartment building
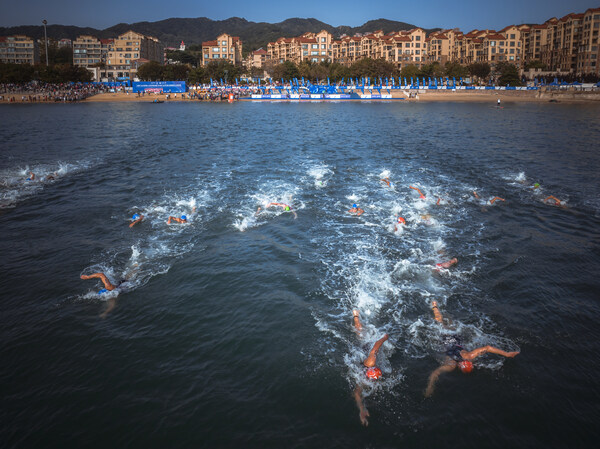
259 58
588 53
126 49
19 50
399 47
89 50
314 47
224 47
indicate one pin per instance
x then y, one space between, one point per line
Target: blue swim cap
183 217
135 216
354 205
102 291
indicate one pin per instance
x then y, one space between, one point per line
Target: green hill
196 30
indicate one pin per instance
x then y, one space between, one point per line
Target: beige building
126 49
258 58
19 50
224 47
314 47
89 50
588 53
400 48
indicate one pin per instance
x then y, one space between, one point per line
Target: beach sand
482 96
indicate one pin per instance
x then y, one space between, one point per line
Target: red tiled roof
107 41
539 27
260 51
496 36
477 40
402 39
210 44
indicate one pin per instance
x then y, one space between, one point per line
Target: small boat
158 101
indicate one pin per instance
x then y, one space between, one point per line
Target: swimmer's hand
513 354
363 416
429 391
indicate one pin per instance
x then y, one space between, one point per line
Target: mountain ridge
199 29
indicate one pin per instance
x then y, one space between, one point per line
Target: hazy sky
465 15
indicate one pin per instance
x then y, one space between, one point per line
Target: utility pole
46 40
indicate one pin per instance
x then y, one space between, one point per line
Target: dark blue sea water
235 330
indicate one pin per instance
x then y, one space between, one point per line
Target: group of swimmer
456 356
50 177
108 285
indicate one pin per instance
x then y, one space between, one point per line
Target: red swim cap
373 373
465 366
401 220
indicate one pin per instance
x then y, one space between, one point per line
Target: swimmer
31 176
496 198
421 196
475 194
498 104
371 372
51 176
387 181
437 203
555 200
137 218
107 284
356 210
401 221
457 356
356 320
286 208
181 220
109 287
536 186
447 264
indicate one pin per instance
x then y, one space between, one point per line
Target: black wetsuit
453 347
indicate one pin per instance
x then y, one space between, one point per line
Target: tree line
58 73
503 73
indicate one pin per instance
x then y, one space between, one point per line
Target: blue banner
157 86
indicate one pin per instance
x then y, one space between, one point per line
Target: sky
466 15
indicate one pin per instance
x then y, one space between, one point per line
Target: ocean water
234 329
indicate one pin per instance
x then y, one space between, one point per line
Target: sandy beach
483 96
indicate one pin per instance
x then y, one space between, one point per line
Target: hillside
196 30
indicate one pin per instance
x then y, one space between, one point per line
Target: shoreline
482 96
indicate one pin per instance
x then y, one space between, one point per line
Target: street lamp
46 40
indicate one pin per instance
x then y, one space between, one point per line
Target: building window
224 43
315 46
215 56
512 36
417 38
215 49
323 46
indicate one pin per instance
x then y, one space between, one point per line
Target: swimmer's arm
133 223
484 350
295 215
360 212
433 377
437 315
363 412
102 277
